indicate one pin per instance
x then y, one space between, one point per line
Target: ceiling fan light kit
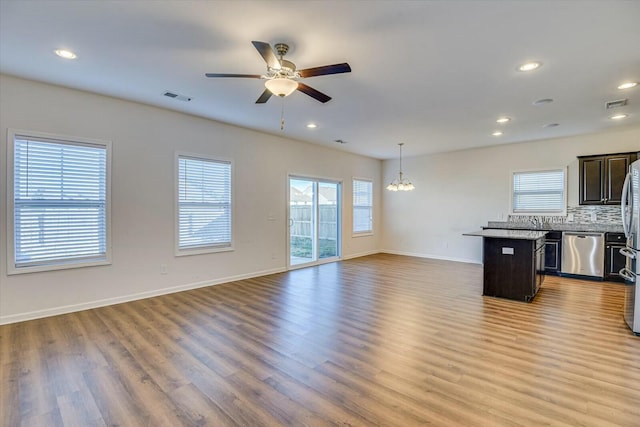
281 86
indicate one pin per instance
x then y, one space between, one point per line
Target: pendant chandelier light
401 183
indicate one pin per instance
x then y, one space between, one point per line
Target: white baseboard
361 254
420 255
38 314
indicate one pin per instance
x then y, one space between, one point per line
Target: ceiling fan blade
307 90
249 76
267 53
264 97
327 69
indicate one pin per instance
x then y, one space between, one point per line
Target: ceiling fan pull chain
282 115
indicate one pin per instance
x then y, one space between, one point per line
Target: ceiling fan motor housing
288 68
281 49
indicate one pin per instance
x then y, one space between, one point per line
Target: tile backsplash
603 214
576 214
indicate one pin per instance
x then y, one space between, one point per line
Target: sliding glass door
302 213
314 221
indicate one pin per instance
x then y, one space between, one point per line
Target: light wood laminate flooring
377 340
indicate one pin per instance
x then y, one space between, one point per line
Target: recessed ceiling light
628 85
66 54
497 133
529 66
503 120
619 117
312 125
543 101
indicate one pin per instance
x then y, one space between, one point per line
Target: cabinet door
616 169
614 261
552 256
592 177
540 269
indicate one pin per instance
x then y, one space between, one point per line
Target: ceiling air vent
615 104
177 96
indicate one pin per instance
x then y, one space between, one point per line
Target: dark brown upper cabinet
602 177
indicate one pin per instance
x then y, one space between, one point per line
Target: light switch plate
507 251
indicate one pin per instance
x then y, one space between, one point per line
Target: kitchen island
513 262
613 261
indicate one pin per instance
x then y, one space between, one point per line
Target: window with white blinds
204 205
539 192
59 200
362 206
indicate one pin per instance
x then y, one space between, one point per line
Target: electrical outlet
594 217
570 217
163 268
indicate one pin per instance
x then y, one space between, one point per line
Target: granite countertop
565 226
508 234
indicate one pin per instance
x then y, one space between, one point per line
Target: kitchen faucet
535 222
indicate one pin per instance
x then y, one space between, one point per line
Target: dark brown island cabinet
513 263
602 177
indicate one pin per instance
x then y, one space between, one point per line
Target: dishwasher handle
582 235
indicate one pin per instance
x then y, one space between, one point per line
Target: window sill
205 250
54 267
363 234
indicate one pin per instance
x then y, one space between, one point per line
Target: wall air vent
177 96
615 104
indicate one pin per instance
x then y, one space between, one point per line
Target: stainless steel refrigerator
631 223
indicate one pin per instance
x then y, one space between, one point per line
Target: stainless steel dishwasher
583 253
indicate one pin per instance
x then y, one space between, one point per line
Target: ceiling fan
282 75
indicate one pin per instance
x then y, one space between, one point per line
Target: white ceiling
432 74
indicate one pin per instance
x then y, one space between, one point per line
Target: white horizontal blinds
362 206
541 191
204 203
60 202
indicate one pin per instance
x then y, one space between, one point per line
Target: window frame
201 249
562 212
62 139
353 207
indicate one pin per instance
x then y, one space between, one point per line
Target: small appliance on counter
631 223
